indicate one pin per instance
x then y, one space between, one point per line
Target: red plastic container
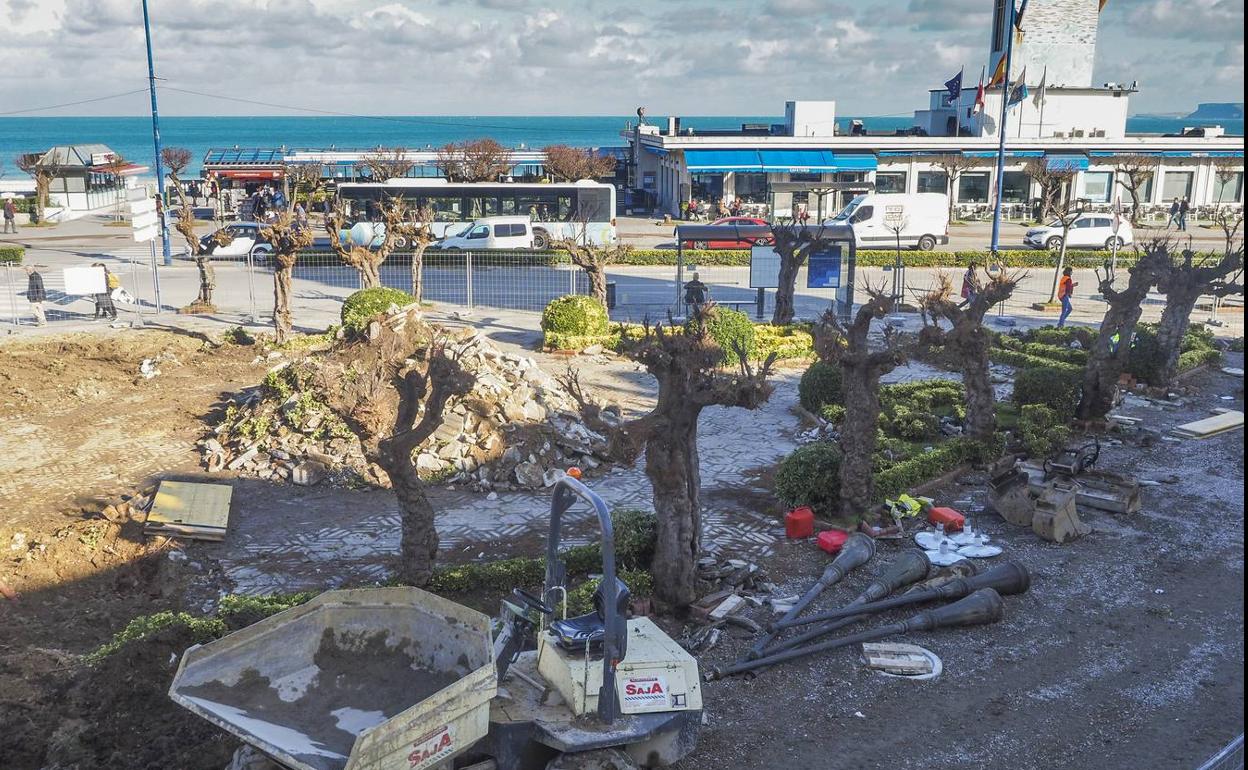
952 520
799 523
831 540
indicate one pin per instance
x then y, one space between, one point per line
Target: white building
1076 125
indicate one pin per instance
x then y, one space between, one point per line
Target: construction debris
190 510
518 428
907 661
1056 519
1103 490
1211 426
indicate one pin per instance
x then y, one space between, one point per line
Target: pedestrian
1065 288
734 208
803 215
1174 214
1184 207
10 216
695 295
968 286
36 294
721 208
104 302
301 215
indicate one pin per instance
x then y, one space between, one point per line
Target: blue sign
824 271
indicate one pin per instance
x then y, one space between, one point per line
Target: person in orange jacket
1065 288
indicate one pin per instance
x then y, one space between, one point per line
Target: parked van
490 233
923 217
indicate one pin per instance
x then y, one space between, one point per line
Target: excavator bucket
1011 497
1056 519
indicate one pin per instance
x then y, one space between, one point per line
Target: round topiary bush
729 328
811 476
366 304
820 385
575 315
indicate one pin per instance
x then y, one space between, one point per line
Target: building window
707 187
973 188
805 176
1176 184
1229 188
1098 186
933 182
890 181
751 187
1017 187
647 180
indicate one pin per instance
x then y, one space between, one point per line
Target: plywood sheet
1211 426
190 509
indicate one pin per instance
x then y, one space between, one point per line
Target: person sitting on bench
696 295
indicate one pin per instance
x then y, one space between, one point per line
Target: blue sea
132 136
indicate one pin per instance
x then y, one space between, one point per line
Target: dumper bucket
361 679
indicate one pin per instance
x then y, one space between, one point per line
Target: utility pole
160 166
1010 23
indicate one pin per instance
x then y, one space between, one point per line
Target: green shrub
1021 360
1042 432
910 424
581 598
821 384
872 258
1062 336
833 413
938 396
1146 360
1055 387
729 329
923 467
574 322
363 306
787 342
11 255
1237 345
1194 358
1057 351
811 475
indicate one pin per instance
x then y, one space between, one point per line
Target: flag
978 107
999 74
1042 89
1019 92
954 86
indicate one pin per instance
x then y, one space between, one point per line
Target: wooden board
192 510
1211 426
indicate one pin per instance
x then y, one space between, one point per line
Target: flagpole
1044 99
1005 97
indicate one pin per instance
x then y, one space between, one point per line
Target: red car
734 243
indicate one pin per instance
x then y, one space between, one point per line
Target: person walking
10 216
1065 288
1184 207
104 302
36 295
1174 214
968 286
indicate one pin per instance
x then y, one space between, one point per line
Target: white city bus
583 209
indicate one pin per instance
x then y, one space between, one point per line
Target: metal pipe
1009 578
909 568
160 165
858 550
980 608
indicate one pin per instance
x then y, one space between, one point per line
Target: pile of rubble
518 428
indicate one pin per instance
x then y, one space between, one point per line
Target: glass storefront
933 182
973 188
890 182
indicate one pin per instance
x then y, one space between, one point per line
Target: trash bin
610 295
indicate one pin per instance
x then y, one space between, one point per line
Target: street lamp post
160 166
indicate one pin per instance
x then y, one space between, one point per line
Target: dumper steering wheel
532 602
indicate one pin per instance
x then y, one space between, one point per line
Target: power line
73 104
388 118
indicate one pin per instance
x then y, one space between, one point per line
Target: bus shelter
829 264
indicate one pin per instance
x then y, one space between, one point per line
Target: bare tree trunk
597 283
672 467
1175 319
370 274
858 431
1107 359
784 292
282 324
418 541
418 271
981 415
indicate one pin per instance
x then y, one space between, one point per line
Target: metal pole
160 166
8 282
1005 99
468 277
155 277
251 287
680 271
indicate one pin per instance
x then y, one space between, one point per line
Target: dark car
733 243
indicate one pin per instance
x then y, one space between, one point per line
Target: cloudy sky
563 57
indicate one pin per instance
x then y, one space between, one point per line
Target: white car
244 239
1089 231
490 233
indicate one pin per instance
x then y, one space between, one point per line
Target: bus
583 210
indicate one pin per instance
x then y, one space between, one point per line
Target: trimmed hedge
1044 351
11 255
581 598
1021 360
1061 336
1146 360
1194 358
1042 432
1058 388
363 306
727 327
868 258
811 475
787 342
574 322
821 384
942 459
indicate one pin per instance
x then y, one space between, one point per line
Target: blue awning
855 162
797 160
1226 154
1067 162
1177 153
655 150
1112 153
1008 153
723 160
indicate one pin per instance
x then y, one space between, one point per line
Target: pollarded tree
568 164
1110 350
954 165
968 340
1225 171
686 363
114 166
176 159
43 170
385 163
1057 194
289 236
390 386
1132 170
793 243
399 226
849 348
1185 280
479 160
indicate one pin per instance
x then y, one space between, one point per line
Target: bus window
507 206
564 211
594 205
482 206
446 209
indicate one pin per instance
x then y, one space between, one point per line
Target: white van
490 233
923 217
